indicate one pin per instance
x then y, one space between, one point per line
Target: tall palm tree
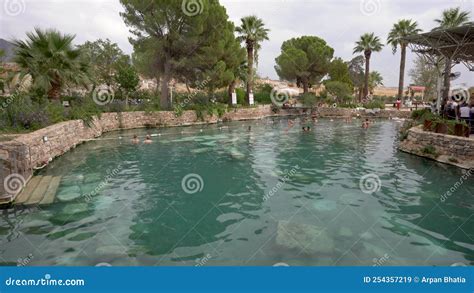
252 31
52 61
400 30
367 44
450 18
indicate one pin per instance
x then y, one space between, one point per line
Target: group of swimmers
365 124
291 123
136 140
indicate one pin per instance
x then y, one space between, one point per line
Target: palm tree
450 18
375 80
51 60
400 30
367 44
453 17
252 31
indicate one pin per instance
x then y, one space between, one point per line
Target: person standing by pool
398 103
471 117
465 112
148 139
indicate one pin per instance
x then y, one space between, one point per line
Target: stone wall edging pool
450 149
25 152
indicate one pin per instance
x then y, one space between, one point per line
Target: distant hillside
9 50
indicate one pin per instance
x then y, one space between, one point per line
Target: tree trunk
367 73
230 90
360 90
165 80
447 80
250 58
54 92
305 85
402 73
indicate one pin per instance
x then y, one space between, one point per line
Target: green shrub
150 105
201 99
221 96
221 109
21 113
240 96
374 104
430 150
56 112
340 90
453 160
309 100
420 114
200 111
323 95
263 94
178 110
348 105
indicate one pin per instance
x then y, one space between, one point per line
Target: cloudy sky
339 22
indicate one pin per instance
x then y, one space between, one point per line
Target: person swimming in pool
366 124
135 139
306 128
148 140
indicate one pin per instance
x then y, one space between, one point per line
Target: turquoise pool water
229 195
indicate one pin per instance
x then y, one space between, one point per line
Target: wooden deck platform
39 190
